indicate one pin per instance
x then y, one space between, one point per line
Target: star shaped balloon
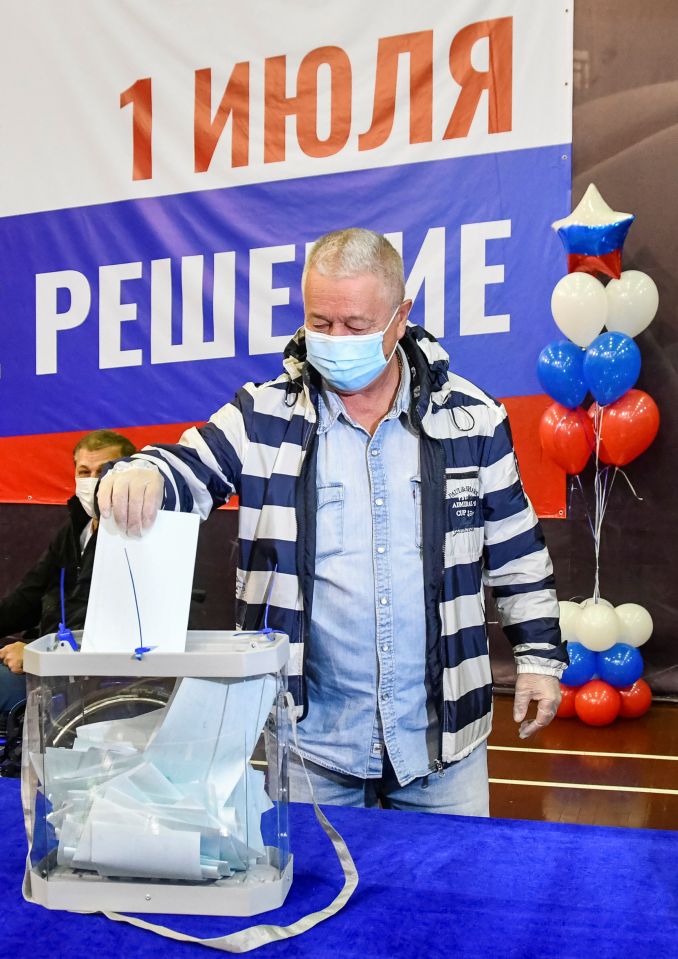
593 235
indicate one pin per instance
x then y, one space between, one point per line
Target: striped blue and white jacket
478 526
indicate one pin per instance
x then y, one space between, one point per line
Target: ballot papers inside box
158 784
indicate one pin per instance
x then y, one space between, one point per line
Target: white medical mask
350 362
84 490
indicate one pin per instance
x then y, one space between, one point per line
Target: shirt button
383 601
374 452
384 696
381 549
385 648
379 502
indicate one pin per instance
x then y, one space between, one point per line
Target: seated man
35 604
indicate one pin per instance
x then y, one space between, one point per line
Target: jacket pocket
329 521
463 514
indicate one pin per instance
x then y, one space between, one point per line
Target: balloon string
606 493
586 505
597 486
630 484
602 495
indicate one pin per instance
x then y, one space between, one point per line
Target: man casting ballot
383 490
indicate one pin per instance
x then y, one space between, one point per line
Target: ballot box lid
208 653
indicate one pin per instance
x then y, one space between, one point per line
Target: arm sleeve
517 565
202 471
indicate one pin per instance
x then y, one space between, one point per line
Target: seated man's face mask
84 490
351 362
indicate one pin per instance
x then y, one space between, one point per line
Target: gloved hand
546 691
12 655
133 492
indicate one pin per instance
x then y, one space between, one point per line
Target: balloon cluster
604 676
604 364
603 680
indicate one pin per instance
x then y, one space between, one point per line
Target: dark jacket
35 605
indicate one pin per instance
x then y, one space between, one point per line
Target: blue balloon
560 369
611 366
620 666
582 665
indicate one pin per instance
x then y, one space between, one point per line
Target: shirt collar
331 405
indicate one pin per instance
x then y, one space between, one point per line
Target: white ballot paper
167 795
141 588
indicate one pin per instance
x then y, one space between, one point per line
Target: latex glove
546 691
12 656
133 492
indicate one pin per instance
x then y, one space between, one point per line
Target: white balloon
598 627
636 624
632 302
592 602
579 307
569 613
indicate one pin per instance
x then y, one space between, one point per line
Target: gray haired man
383 490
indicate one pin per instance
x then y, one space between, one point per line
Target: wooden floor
625 774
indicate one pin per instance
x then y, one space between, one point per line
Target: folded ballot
167 795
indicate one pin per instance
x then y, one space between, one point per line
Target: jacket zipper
437 765
311 431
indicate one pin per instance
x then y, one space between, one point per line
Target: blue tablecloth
430 886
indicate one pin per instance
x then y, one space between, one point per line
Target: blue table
430 886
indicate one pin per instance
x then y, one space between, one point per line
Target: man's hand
133 495
546 691
12 656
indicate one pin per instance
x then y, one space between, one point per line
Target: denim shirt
365 666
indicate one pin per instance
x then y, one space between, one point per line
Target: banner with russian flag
166 165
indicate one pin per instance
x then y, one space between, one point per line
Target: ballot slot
163 792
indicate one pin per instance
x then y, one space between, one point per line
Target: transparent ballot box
158 784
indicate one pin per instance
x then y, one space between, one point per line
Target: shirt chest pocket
329 528
463 514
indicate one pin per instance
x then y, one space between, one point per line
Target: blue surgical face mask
349 363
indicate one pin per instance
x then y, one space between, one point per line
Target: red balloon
567 437
597 703
628 427
566 709
635 700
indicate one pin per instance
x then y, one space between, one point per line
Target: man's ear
405 308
